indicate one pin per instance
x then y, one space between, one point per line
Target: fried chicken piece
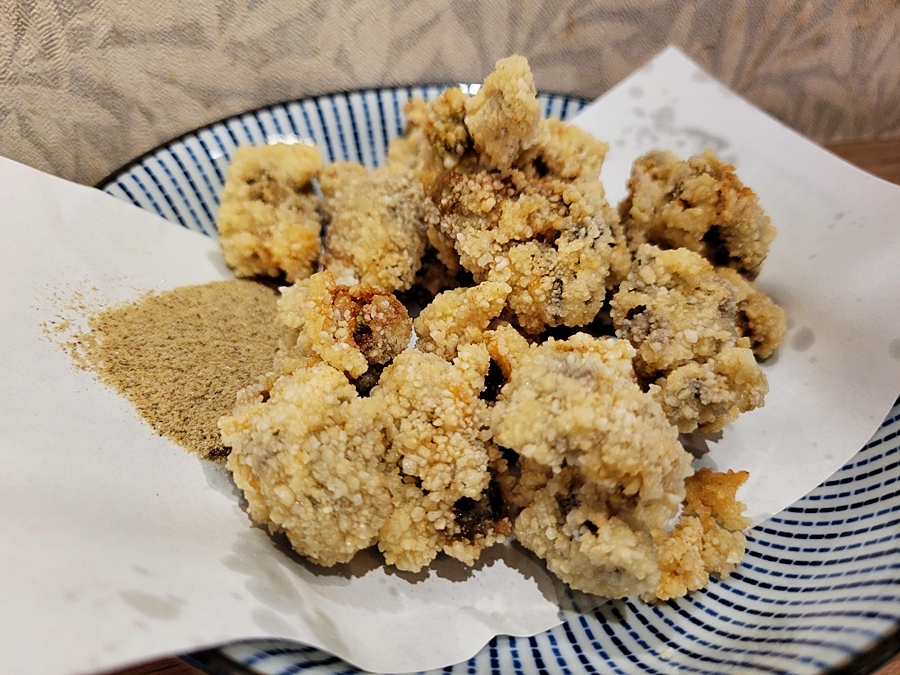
563 151
414 457
268 219
707 396
758 317
523 479
550 240
587 541
674 309
594 416
350 328
601 470
507 347
503 117
412 150
375 233
308 457
681 316
698 204
707 539
459 317
501 128
445 128
436 137
440 450
506 131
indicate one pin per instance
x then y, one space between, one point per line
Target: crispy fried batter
436 138
444 127
349 328
354 439
698 204
596 417
523 479
618 468
587 541
440 450
375 233
412 150
503 116
550 240
707 396
308 459
420 437
268 220
707 538
758 317
563 151
674 309
507 347
458 317
681 316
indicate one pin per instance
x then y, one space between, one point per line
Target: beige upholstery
86 85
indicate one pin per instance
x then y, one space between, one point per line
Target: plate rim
113 175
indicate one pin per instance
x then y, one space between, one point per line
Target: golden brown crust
708 396
674 309
707 539
681 315
425 481
480 431
585 540
269 220
459 317
563 151
445 128
375 233
307 456
507 347
698 204
601 469
349 328
551 241
594 416
503 116
436 138
759 319
412 150
439 458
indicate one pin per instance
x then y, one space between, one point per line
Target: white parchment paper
117 545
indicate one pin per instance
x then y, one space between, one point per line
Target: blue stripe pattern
819 586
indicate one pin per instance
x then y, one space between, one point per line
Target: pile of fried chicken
559 346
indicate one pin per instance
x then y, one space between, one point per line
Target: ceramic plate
819 588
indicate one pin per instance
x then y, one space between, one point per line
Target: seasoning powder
181 356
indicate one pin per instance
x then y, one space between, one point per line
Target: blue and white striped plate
819 589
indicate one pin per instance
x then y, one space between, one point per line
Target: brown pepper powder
181 356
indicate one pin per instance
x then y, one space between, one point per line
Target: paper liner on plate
118 545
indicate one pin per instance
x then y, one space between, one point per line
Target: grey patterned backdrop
86 85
